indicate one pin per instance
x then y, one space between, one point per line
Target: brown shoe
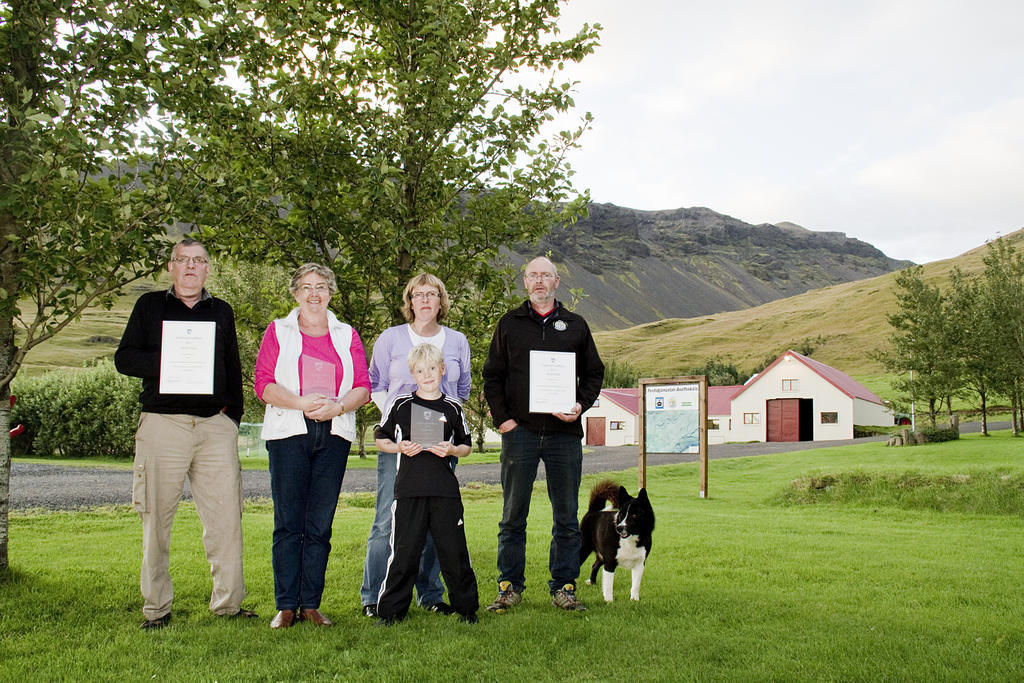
284 619
314 616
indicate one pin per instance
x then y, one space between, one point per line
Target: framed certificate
317 376
427 426
186 356
552 381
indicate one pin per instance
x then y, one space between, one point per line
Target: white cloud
973 161
894 122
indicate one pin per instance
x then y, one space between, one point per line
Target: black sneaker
370 611
468 618
440 608
159 622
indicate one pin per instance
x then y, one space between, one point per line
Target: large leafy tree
86 193
1002 289
381 138
388 138
923 343
978 336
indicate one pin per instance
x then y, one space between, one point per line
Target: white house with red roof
612 421
797 398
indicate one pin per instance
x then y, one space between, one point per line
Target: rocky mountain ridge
640 266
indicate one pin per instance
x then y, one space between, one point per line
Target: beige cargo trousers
169 448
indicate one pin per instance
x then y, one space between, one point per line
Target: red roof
720 399
628 398
837 378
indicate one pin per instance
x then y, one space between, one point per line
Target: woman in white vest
311 372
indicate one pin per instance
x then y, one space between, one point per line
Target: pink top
320 348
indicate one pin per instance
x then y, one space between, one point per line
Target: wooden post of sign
641 465
672 385
703 493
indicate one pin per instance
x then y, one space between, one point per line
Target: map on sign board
672 418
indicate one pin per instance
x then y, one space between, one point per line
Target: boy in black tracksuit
426 494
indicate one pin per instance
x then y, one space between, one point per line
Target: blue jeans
521 452
305 480
429 588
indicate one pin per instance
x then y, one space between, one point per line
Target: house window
616 426
713 424
830 418
751 418
790 384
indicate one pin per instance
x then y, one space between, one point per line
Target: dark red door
595 431
784 419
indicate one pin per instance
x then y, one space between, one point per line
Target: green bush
937 434
86 413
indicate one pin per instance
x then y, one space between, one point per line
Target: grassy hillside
846 323
95 335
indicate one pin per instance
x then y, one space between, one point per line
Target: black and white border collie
618 537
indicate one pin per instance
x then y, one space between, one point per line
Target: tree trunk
1013 411
5 473
7 350
984 414
7 355
361 434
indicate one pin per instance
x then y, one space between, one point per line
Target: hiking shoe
507 598
159 622
242 613
565 598
440 608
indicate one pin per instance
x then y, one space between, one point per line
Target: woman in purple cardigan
424 306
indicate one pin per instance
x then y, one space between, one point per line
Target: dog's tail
606 491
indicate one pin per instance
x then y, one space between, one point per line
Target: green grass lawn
752 583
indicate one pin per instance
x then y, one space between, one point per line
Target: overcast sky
898 122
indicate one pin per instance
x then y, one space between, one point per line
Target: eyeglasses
194 260
319 289
424 295
546 277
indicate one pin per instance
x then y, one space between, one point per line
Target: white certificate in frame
552 381
186 356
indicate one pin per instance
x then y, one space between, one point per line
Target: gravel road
58 487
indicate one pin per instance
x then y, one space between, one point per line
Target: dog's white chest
630 554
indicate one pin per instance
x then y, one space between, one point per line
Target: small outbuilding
612 421
797 398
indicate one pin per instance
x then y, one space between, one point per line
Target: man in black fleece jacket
540 324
